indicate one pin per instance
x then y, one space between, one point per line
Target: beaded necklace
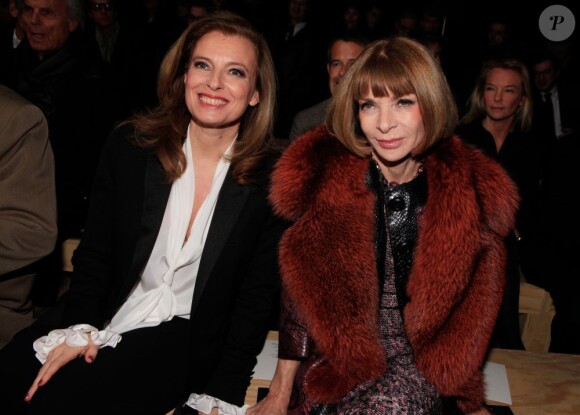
386 183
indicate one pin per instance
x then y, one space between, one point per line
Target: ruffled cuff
75 336
206 403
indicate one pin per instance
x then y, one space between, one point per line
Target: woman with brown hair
176 277
393 267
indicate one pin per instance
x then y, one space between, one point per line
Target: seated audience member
117 51
555 105
104 16
11 28
431 19
352 18
499 122
11 34
500 38
27 207
341 54
375 20
297 49
159 26
197 9
122 49
189 10
176 277
393 267
406 22
57 69
498 34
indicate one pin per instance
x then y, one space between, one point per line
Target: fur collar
328 264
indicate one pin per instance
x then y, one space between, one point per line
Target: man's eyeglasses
97 7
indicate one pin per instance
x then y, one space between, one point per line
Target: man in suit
343 51
27 207
554 102
296 49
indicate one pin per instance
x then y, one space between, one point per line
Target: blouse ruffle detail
75 336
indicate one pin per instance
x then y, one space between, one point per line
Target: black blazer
567 97
237 285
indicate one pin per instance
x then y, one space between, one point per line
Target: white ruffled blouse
165 289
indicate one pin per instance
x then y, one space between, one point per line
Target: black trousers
144 374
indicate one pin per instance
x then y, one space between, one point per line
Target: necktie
549 110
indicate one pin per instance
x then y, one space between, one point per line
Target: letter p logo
557 23
556 20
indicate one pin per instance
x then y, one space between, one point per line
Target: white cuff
206 403
75 336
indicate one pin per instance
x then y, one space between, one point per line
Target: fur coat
329 273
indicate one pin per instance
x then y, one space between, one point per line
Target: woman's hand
272 404
278 398
57 358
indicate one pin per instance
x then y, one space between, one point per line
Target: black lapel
230 201
155 196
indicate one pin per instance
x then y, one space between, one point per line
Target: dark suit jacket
237 285
69 87
7 51
309 118
296 60
567 97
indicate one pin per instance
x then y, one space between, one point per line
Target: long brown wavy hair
164 128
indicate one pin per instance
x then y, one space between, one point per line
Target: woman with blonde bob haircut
393 265
176 279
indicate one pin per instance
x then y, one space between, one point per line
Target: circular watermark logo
557 23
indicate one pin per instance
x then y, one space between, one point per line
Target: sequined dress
402 390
